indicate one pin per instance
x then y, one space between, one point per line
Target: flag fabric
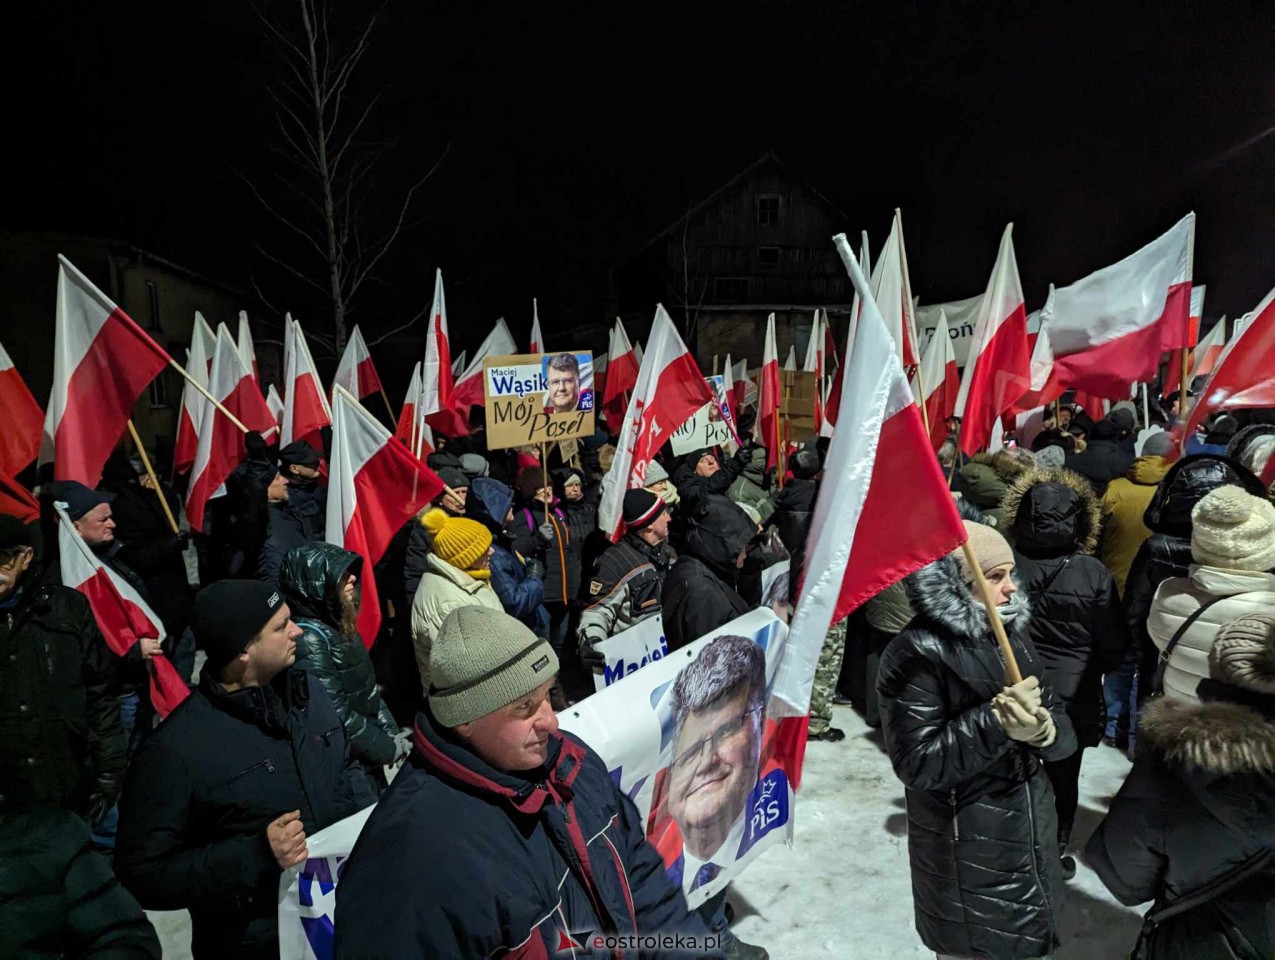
192 410
375 485
458 365
246 348
437 378
864 535
1109 329
814 364
1173 370
275 404
999 368
669 389
832 404
791 363
537 339
1245 373
17 501
1208 351
102 361
622 372
938 376
893 294
766 427
467 392
356 371
22 418
221 443
404 429
121 614
728 388
305 404
1044 387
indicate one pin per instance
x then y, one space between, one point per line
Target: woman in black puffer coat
982 832
1077 624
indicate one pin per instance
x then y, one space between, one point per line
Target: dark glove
546 532
106 791
535 569
592 659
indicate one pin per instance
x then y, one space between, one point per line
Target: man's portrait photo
562 377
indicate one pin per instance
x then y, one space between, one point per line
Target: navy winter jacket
521 595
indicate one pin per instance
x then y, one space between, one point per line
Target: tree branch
398 329
291 269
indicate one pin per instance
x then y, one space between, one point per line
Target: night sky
578 131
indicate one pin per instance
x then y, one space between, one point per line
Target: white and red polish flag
459 364
437 375
467 392
198 363
403 430
1173 372
305 405
765 429
375 486
21 419
1209 350
669 389
1109 329
537 338
122 615
1044 387
728 387
833 404
864 535
102 361
742 385
275 403
892 291
791 363
356 371
622 372
1245 373
814 364
221 443
247 350
942 382
998 370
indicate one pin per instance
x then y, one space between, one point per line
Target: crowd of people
1136 590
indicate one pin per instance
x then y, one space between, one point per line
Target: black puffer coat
1104 458
1196 805
982 831
699 592
1167 553
794 509
1077 623
284 530
310 583
691 486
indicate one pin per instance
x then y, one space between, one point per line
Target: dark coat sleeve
102 921
1109 629
1127 851
101 674
367 741
519 594
1065 742
417 557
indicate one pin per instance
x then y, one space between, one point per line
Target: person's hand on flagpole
150 648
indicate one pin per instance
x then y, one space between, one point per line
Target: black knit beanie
228 614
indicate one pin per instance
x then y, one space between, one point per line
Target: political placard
711 426
627 652
537 398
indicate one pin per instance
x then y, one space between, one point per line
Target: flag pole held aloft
1012 673
204 390
150 472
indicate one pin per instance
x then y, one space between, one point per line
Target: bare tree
343 235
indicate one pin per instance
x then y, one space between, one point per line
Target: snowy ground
843 890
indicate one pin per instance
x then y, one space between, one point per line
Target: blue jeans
103 832
1121 692
713 912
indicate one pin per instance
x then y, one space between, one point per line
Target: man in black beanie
301 466
219 801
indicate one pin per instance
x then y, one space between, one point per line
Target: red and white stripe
998 371
305 405
404 430
1209 350
198 362
765 429
22 419
453 421
375 485
814 363
121 614
221 444
246 348
892 290
668 391
102 361
1173 371
436 373
1109 329
621 378
275 403
537 338
356 371
941 380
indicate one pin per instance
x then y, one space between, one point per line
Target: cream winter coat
443 589
1243 593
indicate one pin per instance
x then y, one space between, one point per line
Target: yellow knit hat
457 540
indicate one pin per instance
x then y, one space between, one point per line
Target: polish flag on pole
22 418
537 339
669 389
728 388
305 407
998 370
833 403
275 403
458 365
1209 351
467 392
192 410
102 361
407 419
893 294
864 535
942 382
221 444
122 615
766 427
436 373
247 350
375 486
1245 373
622 372
814 364
1045 387
356 372
791 363
1173 371
1110 328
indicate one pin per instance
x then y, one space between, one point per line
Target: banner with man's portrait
538 398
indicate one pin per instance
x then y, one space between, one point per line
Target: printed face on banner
538 398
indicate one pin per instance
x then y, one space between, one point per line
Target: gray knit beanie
1243 654
483 660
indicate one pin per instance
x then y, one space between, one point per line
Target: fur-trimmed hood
937 593
1050 512
1218 737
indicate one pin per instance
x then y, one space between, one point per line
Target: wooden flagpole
388 409
1012 673
1182 385
204 390
150 472
544 473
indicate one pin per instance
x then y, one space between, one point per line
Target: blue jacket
499 865
522 596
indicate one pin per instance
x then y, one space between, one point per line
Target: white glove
1035 728
1026 692
402 746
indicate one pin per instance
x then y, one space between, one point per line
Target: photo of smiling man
565 391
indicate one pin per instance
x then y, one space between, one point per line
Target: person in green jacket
749 487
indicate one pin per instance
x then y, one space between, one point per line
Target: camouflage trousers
826 675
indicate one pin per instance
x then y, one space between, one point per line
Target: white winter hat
1233 530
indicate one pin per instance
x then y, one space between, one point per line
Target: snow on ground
844 889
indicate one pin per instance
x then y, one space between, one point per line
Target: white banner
631 650
710 426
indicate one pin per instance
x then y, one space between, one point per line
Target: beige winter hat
1243 655
990 547
1233 530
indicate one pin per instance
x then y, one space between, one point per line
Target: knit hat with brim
990 547
1233 530
482 660
458 541
1243 654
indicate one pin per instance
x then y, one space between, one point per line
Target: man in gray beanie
502 835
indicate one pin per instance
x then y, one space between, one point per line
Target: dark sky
577 131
